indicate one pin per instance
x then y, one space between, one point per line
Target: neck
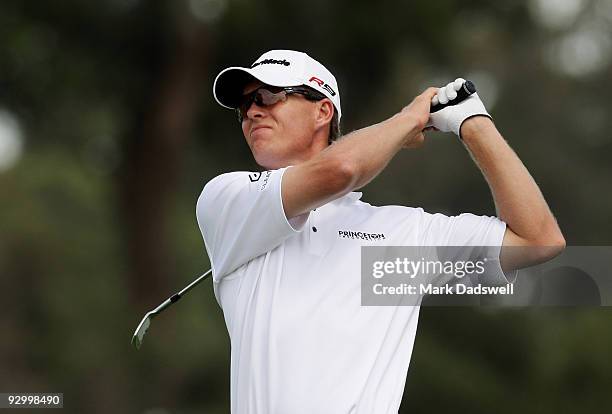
318 145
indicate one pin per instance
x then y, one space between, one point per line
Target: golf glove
450 118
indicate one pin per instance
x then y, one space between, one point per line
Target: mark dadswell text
432 289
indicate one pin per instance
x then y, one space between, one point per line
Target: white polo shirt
290 293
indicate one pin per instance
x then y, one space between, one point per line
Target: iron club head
146 321
141 330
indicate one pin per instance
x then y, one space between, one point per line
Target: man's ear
325 112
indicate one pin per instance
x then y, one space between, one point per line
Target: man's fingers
442 98
451 93
444 94
421 103
458 83
429 93
416 142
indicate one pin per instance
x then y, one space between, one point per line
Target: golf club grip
465 91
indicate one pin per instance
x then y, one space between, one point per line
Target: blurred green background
108 132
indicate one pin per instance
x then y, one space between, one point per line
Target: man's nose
255 111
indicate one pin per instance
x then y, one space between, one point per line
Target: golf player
285 242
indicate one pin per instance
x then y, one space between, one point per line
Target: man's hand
418 113
452 117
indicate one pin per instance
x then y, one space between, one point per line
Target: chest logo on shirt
360 235
256 177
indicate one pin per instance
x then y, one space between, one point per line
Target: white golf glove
450 118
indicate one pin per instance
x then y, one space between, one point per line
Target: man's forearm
518 199
354 160
370 149
346 165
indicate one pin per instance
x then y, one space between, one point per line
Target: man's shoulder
235 185
241 178
230 177
219 184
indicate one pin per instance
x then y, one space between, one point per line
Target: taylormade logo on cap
270 62
277 68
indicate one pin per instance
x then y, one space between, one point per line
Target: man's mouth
255 128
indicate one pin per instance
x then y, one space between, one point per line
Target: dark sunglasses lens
244 105
262 97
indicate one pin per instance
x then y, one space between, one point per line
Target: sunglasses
270 95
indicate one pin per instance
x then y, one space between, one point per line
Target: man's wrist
407 124
475 126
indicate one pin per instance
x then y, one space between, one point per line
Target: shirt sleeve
241 216
480 238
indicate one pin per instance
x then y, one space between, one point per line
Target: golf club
146 321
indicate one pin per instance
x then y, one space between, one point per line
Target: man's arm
518 200
354 160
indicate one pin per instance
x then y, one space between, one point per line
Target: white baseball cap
276 68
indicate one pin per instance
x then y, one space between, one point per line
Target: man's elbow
559 243
550 244
342 176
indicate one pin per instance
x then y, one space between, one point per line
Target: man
285 272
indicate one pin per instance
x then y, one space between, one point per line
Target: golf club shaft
177 296
193 284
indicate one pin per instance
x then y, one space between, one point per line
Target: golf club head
141 330
144 324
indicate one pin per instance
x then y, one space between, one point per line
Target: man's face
283 133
